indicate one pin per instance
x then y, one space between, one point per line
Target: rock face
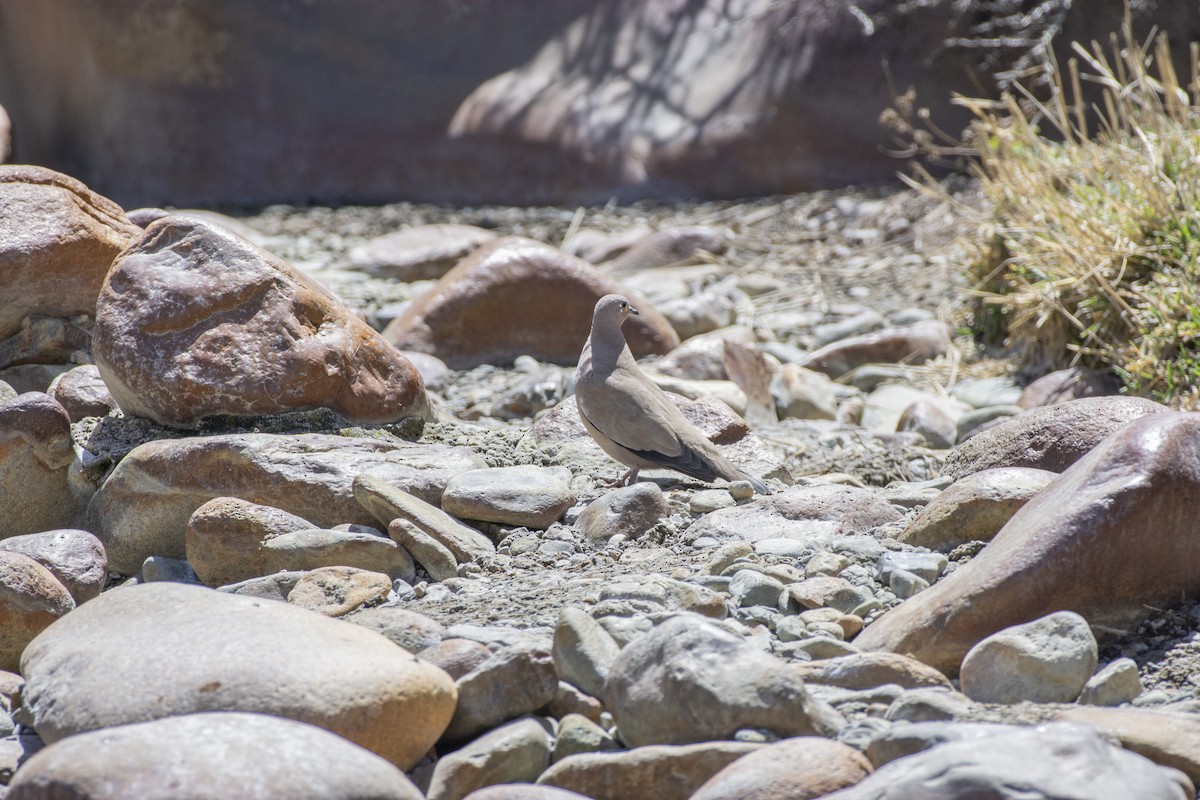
193 321
1052 437
209 756
571 102
513 297
57 241
200 650
689 680
144 506
35 456
1111 535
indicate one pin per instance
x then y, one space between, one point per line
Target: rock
388 502
203 756
512 753
749 587
629 511
75 558
516 680
268 587
885 407
523 791
636 772
524 495
928 566
201 650
825 591
975 507
1105 539
15 751
700 313
515 296
1045 661
578 734
421 252
35 455
901 741
247 334
930 420
31 598
583 651
811 514
911 344
457 657
143 507
868 670
429 551
83 393
669 246
46 340
803 768
315 547
1167 738
597 246
690 680
864 321
225 536
927 704
570 700
701 358
726 392
1050 762
1118 682
1068 384
412 631
59 239
160 568
804 394
980 419
1051 438
337 591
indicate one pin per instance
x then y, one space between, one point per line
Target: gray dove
630 417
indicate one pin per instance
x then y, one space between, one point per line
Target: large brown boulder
513 297
1109 538
57 240
194 321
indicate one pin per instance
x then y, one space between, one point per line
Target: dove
630 417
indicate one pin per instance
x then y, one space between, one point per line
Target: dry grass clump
1091 250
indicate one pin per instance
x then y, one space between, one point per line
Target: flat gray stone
524 495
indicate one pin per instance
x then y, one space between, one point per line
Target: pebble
749 587
708 500
629 511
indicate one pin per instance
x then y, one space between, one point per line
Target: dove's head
612 309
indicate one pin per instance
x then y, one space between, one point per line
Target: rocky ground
671 625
